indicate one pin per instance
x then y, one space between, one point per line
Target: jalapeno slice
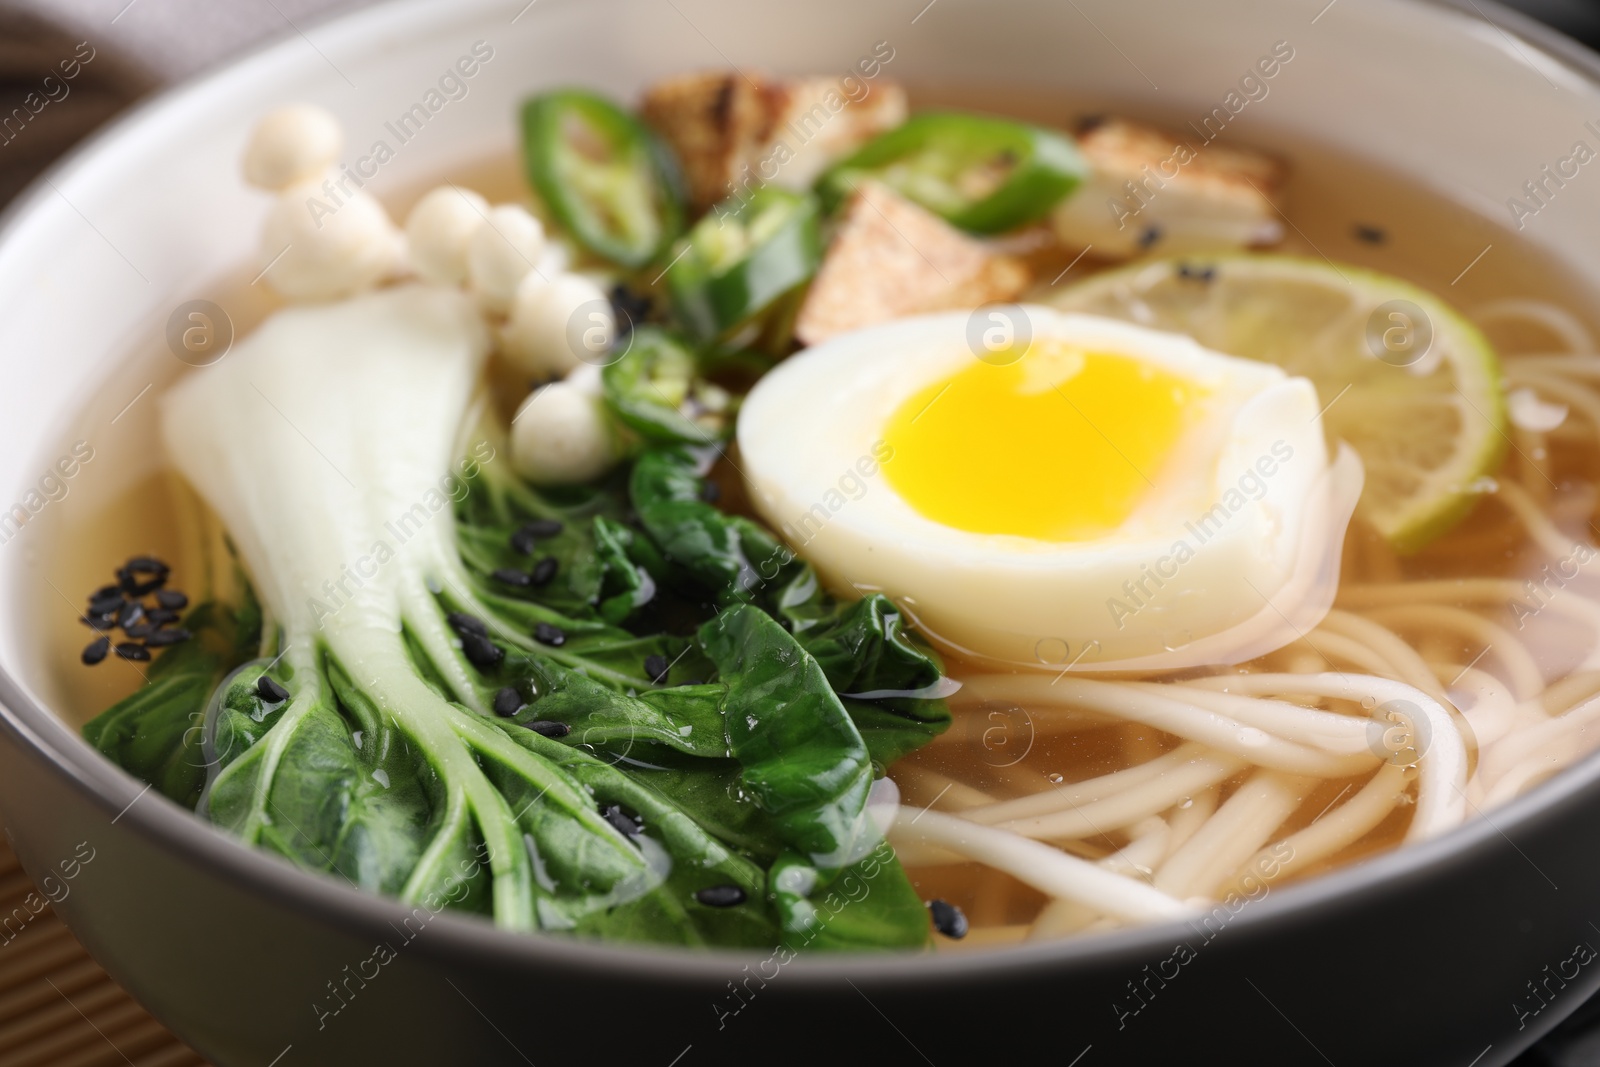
656 389
982 174
603 175
742 257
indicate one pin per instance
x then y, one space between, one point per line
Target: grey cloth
68 65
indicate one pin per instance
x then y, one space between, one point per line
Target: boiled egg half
1085 493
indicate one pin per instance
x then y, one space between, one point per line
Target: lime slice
1408 382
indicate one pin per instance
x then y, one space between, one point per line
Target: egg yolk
1057 445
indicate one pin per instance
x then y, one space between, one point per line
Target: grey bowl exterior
1430 956
1460 950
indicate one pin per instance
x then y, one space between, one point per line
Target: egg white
1256 573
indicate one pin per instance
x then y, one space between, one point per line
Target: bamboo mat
57 1007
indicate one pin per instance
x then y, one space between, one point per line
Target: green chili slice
742 257
656 389
603 175
982 174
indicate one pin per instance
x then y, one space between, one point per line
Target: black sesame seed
130 615
96 651
171 599
107 605
142 575
710 492
545 570
464 624
1372 235
655 668
480 651
140 630
507 576
523 541
133 650
163 638
106 591
632 307
1150 236
626 824
160 616
948 919
691 681
507 702
549 728
546 634
543 527
270 691
99 622
721 896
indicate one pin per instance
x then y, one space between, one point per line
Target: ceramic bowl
1422 956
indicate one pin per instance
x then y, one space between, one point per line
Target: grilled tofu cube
1149 191
891 258
732 132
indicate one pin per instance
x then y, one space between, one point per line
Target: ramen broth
126 502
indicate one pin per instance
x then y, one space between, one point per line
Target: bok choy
642 714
